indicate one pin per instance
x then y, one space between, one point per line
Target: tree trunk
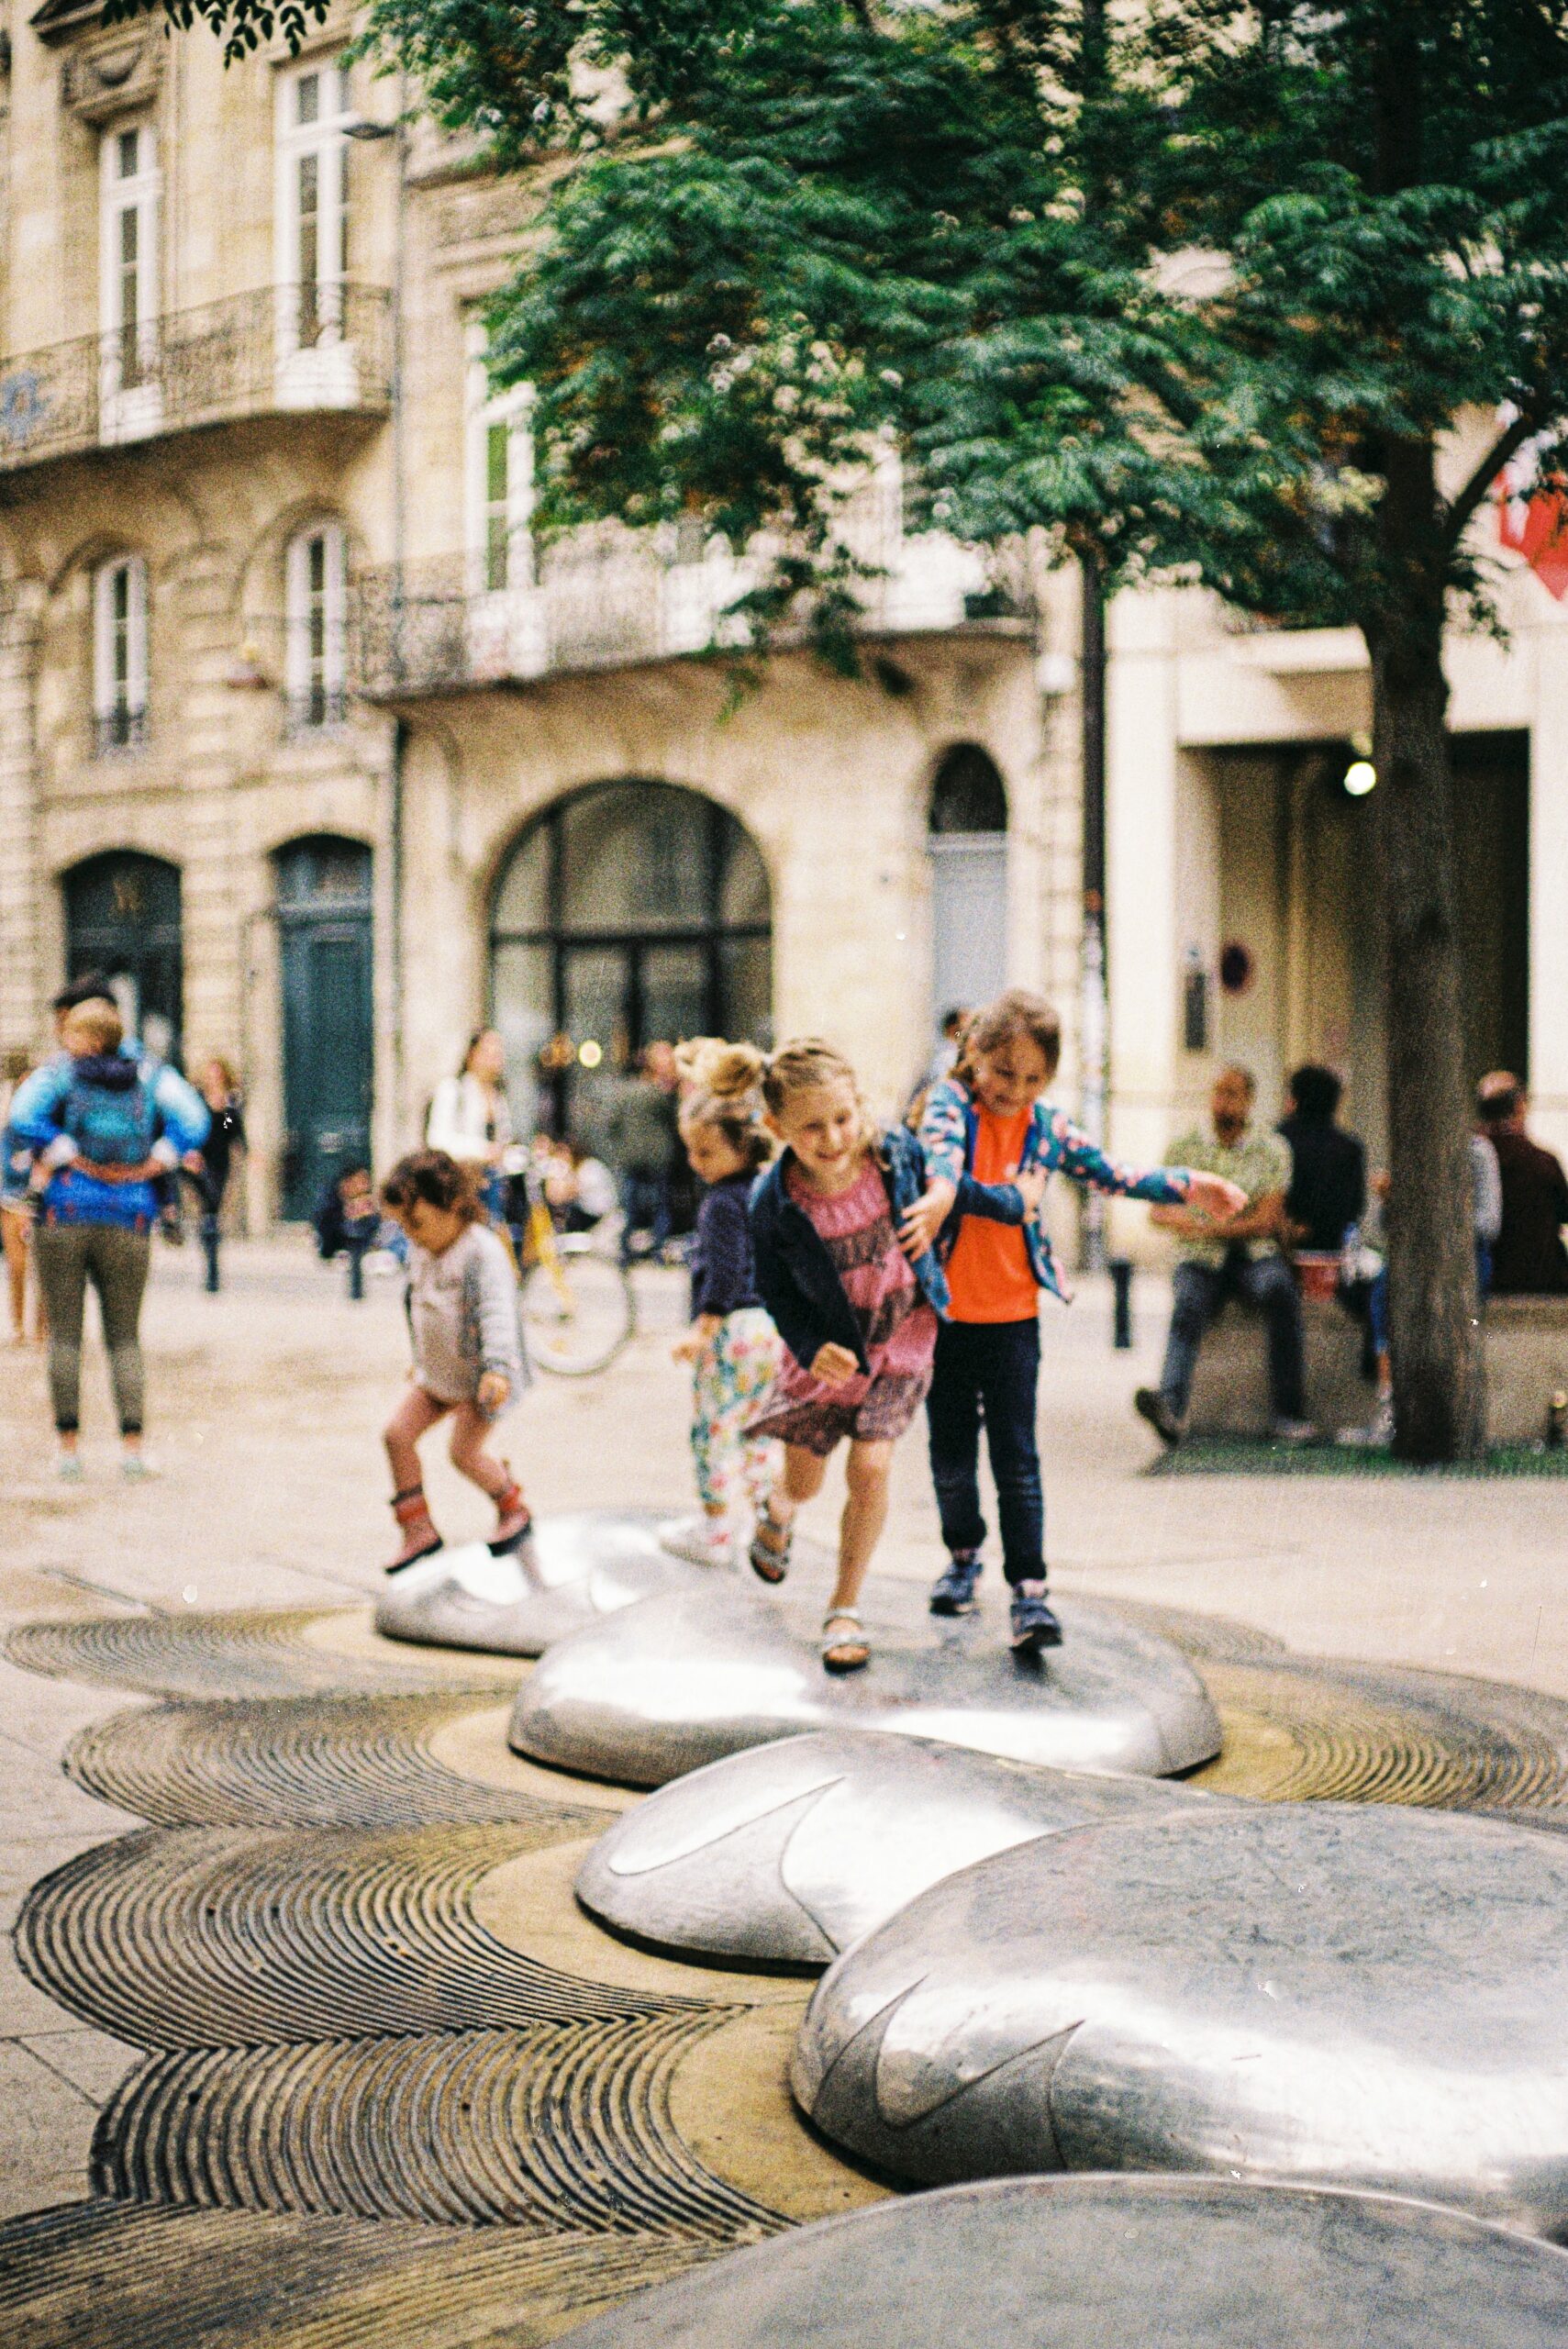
1435 1331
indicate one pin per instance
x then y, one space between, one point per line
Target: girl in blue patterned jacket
988 1121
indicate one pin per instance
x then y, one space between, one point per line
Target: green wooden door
324 915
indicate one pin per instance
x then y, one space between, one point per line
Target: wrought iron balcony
282 350
118 728
614 600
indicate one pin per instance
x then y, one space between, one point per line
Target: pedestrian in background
209 1178
103 1129
1527 1256
16 1202
645 1140
471 1120
732 1345
468 1358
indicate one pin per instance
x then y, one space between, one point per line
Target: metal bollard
356 1251
1120 1271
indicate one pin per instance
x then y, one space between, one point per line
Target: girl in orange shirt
989 1121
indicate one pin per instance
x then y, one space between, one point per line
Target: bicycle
577 1304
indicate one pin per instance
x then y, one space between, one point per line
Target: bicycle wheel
578 1312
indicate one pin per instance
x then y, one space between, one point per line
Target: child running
468 1359
732 1345
988 1121
842 1226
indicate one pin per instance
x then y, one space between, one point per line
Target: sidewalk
264 1406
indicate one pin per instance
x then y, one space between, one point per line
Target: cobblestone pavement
264 1407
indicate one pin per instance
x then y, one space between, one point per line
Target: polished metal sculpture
787 1853
648 1695
1374 1997
571 1571
1117 2263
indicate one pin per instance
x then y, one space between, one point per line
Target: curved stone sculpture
1109 2262
575 1569
647 1695
1374 1997
787 1853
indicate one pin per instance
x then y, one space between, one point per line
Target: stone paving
264 1406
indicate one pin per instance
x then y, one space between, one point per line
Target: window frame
489 412
311 312
136 195
119 700
315 674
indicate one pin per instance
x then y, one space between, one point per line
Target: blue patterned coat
948 1125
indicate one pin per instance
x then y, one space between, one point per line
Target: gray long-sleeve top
462 1311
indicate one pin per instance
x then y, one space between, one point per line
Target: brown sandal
770 1561
840 1655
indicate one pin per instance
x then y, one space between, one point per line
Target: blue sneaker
1034 1625
953 1593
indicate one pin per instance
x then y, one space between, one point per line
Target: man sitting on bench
1241 1258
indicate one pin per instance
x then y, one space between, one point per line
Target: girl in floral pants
732 1344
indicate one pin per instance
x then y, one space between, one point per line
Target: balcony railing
616 600
284 348
118 729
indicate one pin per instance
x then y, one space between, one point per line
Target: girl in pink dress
844 1262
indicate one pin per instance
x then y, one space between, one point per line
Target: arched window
119 655
122 920
315 598
630 913
968 845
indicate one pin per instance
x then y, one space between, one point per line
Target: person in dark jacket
732 1345
1527 1256
220 1089
1328 1179
855 1287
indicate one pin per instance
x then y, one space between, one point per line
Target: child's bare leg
471 1432
414 1417
801 1481
866 1474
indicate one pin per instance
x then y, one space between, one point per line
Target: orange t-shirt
989 1277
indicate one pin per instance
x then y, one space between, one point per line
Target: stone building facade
302 738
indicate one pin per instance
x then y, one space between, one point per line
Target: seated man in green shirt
1238 1258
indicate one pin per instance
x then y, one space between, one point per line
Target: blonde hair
722 1090
1016 1013
801 1065
95 1026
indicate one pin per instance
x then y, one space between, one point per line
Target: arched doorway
968 844
122 917
324 954
627 913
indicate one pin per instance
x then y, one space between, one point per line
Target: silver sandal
768 1564
833 1658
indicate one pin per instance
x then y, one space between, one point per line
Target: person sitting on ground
1527 1256
1328 1178
579 1188
1239 1257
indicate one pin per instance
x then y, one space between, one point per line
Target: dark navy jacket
795 1278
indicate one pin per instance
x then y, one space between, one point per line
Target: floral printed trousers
733 1378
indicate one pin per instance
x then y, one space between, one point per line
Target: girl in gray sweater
468 1360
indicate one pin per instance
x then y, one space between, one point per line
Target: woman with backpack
102 1131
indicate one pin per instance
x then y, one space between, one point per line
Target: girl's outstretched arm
1068 1147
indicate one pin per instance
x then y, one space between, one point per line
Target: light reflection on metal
647 1697
788 1852
1369 1996
575 1569
1117 2263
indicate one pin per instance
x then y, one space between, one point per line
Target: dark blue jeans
1200 1294
988 1370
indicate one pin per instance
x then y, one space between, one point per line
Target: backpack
108 1112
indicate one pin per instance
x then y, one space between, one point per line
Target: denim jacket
948 1126
795 1277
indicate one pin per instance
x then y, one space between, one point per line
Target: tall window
129 278
500 480
313 212
315 605
119 654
